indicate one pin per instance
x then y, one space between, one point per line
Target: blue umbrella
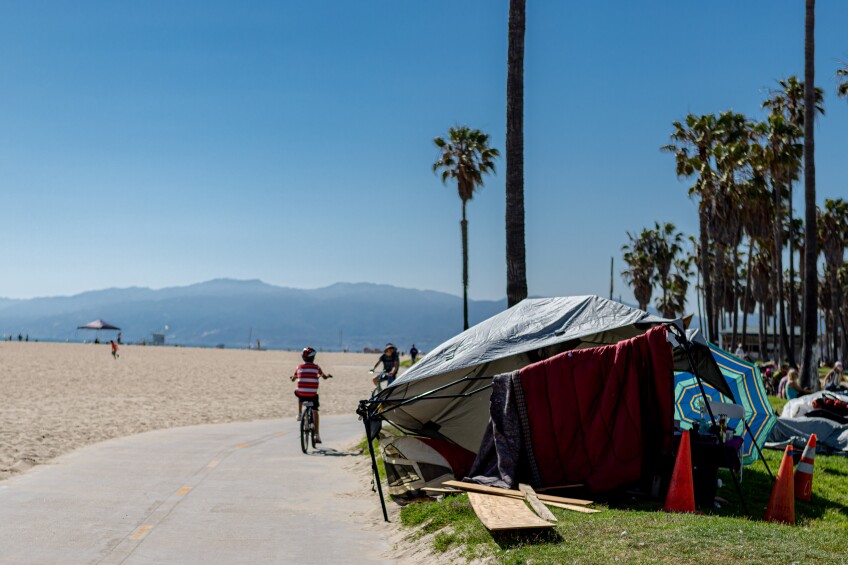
746 384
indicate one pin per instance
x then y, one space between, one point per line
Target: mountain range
234 313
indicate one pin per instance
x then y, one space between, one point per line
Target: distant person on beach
114 349
307 376
740 352
391 363
20 337
413 353
119 338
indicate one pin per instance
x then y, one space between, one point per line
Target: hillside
226 311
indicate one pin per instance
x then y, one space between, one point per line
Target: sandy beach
59 397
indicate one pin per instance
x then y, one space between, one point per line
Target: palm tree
833 235
465 157
665 246
808 372
641 267
675 303
761 290
516 268
693 143
732 157
783 156
842 75
756 222
788 100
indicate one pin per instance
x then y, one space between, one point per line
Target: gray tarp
830 436
532 330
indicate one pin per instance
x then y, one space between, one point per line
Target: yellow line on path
184 490
213 464
141 532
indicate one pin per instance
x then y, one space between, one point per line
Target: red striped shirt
307 376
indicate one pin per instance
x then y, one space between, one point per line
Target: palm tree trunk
761 324
747 293
516 268
808 371
835 307
792 300
705 274
735 296
464 227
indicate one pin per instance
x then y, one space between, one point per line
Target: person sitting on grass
783 380
307 376
793 387
835 379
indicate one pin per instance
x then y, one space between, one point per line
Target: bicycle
307 427
382 376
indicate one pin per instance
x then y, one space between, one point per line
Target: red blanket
602 416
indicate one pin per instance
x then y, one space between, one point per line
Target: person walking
413 353
114 349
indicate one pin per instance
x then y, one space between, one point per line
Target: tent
444 396
745 381
98 325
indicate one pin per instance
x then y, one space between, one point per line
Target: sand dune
59 397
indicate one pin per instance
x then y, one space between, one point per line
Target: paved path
225 493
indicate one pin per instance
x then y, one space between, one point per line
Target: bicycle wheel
305 429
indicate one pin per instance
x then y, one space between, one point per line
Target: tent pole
754 441
687 348
366 419
430 392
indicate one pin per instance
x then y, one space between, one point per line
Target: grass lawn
641 533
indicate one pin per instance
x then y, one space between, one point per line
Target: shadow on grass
756 487
518 538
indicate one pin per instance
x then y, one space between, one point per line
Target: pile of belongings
822 413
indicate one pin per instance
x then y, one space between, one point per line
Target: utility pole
612 261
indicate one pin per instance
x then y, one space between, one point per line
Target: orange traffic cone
681 491
804 471
781 506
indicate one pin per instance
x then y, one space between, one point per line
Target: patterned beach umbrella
745 382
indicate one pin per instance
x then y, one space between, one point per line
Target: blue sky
160 143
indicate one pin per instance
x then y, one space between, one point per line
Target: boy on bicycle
307 375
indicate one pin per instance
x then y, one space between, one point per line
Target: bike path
218 493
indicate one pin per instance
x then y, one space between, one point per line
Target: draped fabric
601 416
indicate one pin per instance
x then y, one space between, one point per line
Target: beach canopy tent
98 325
445 395
745 381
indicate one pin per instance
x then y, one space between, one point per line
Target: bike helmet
308 354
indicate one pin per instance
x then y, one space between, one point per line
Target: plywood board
574 507
513 493
504 513
535 503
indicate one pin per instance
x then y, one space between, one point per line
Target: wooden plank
574 507
504 513
535 503
513 493
560 487
442 490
